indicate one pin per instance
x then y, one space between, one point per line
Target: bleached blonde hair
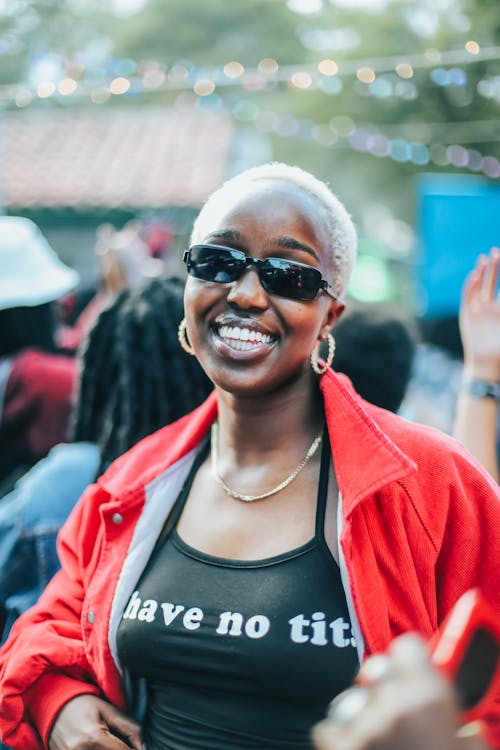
339 223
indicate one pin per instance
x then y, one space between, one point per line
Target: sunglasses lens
215 264
293 280
277 275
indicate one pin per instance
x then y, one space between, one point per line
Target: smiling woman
223 579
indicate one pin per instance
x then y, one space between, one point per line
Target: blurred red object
466 649
158 236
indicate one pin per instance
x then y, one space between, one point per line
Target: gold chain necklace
214 450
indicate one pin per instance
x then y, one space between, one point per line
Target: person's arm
30 518
477 406
400 702
47 685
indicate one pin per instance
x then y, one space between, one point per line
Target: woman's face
251 342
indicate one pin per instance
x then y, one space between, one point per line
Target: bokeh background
137 109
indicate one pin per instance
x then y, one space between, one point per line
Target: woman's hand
480 318
476 418
401 702
90 723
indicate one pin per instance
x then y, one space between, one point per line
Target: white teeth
243 346
242 338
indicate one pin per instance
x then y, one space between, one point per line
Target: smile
244 339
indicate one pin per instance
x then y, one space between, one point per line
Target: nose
247 292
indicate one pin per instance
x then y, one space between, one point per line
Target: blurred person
134 379
36 380
158 234
400 702
125 260
375 348
222 581
435 379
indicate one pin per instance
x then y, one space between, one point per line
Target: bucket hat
30 271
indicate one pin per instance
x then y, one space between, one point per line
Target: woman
223 578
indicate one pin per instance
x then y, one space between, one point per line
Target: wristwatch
482 389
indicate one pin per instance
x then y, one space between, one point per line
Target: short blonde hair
339 223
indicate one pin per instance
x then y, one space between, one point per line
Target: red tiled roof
116 158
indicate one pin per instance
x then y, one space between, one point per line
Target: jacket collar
155 453
365 457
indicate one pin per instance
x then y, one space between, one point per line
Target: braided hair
135 376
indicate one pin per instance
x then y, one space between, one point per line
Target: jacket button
117 518
91 617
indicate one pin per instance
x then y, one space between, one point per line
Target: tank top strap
188 482
180 501
324 474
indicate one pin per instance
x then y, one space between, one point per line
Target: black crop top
238 654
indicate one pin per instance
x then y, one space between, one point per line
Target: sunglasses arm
340 300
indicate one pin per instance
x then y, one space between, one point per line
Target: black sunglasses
286 278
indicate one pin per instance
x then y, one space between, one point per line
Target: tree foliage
212 33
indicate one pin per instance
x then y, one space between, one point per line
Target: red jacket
420 524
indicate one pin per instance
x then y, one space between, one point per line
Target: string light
301 80
151 75
382 77
233 69
67 86
472 47
365 75
119 85
404 70
328 67
204 87
268 65
179 78
45 89
342 131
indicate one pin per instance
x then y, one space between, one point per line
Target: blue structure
458 218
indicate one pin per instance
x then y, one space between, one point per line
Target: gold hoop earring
314 357
183 339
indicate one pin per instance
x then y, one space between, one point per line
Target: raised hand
480 318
